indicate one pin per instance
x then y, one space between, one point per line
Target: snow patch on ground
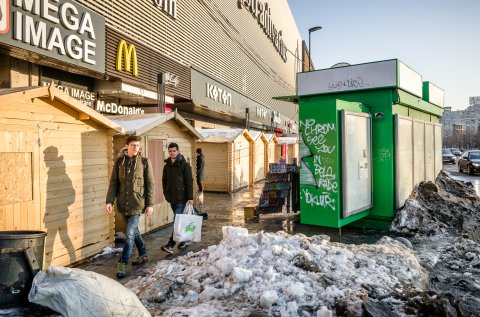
277 273
108 250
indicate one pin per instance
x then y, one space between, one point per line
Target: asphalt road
452 169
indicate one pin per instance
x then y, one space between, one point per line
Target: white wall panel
429 152
438 149
418 151
403 159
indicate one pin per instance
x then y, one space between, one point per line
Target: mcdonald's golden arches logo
128 53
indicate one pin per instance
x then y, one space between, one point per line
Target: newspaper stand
280 189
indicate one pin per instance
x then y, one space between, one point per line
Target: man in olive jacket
133 186
177 182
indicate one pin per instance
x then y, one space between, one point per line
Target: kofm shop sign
64 30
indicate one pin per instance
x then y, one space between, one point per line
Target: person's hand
149 211
108 208
190 202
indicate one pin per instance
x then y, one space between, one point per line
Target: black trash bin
21 257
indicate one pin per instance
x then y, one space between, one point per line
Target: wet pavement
225 210
452 170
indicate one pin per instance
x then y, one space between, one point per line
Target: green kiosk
368 134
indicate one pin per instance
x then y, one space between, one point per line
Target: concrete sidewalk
223 210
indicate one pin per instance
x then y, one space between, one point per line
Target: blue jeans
177 209
133 236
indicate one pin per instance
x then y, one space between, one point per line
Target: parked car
456 152
448 157
470 162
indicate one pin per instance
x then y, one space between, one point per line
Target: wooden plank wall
292 152
266 157
241 164
120 224
167 132
251 163
231 161
277 152
216 166
69 167
259 170
271 154
170 131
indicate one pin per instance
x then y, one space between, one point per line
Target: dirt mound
447 206
415 303
442 219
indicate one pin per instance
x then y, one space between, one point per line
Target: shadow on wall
60 195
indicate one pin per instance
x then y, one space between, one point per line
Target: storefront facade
118 52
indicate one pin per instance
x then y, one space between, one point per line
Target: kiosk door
356 162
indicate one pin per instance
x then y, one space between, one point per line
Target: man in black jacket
177 182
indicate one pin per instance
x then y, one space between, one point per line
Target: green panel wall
324 109
320 171
416 114
319 190
321 196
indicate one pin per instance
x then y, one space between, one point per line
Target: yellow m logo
129 54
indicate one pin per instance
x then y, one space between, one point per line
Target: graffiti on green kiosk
318 154
190 228
323 199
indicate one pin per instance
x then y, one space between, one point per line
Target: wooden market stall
289 149
54 154
227 159
257 156
157 131
271 150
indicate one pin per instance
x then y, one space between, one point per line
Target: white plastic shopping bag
187 226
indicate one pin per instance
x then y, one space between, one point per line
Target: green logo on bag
190 228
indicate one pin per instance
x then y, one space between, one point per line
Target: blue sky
440 39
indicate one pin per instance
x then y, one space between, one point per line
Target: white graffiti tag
315 135
311 128
322 200
326 177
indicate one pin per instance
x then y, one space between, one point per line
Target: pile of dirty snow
277 274
447 206
443 222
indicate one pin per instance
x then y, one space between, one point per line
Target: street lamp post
310 30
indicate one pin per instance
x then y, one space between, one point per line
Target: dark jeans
200 186
177 209
133 236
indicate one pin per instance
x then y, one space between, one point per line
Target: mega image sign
64 30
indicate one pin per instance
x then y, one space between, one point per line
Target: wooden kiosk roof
141 123
224 135
84 112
